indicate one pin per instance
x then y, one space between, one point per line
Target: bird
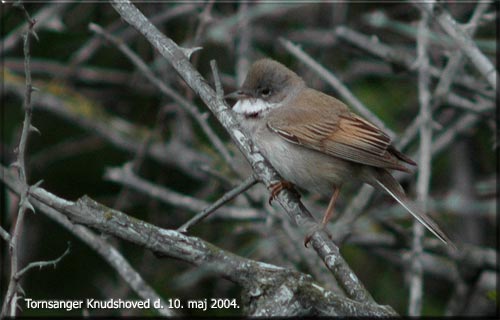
315 142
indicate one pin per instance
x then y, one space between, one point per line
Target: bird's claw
276 188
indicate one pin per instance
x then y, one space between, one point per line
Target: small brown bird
315 142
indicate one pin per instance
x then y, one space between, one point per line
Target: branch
44 17
424 173
91 117
325 248
228 196
169 92
262 283
127 177
10 300
4 234
42 264
88 49
464 42
108 252
397 56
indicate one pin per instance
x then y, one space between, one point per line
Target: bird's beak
237 95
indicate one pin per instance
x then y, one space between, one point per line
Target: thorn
21 290
35 89
36 185
189 51
35 35
29 206
35 129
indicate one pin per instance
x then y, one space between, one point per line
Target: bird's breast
306 168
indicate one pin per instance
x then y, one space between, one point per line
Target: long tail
387 182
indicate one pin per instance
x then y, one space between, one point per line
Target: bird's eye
265 92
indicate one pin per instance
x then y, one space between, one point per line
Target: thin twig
219 91
117 131
228 196
4 234
397 56
455 63
243 49
128 178
424 173
464 42
320 241
42 264
306 296
158 83
43 18
99 244
139 157
10 300
88 49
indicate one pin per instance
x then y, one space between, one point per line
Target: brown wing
330 127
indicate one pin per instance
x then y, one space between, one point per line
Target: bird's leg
331 207
327 216
276 188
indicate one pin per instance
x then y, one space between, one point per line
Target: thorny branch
10 300
255 277
42 264
325 248
148 74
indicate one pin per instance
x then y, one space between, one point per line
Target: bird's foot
276 188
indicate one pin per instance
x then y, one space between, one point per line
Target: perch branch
257 278
320 241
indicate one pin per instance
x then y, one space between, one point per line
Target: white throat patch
252 107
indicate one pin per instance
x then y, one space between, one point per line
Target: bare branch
4 234
88 49
125 135
243 48
158 83
42 264
424 173
303 295
228 196
10 299
325 248
44 18
219 91
127 177
464 42
376 47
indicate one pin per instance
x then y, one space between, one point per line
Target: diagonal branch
320 241
166 90
463 41
262 282
42 264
